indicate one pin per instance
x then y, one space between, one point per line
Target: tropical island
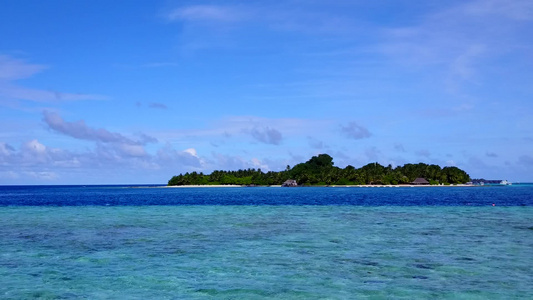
320 171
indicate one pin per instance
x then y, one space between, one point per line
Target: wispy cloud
160 65
280 17
460 39
235 162
314 143
230 162
80 130
445 112
463 66
11 91
205 13
526 160
6 149
424 153
355 131
373 154
146 139
491 154
238 126
399 147
12 69
266 135
521 10
158 105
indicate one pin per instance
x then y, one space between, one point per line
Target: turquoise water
262 252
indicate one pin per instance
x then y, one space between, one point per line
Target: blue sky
110 92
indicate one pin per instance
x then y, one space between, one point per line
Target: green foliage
454 175
320 170
320 161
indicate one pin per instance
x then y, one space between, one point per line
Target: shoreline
325 186
203 186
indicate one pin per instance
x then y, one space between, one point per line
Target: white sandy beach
350 186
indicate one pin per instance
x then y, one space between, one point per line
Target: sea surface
124 242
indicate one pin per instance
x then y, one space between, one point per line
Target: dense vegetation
319 170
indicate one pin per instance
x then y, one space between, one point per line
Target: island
320 171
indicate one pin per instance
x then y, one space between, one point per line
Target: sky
134 92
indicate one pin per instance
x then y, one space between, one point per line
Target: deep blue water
517 195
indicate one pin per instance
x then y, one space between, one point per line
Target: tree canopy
320 170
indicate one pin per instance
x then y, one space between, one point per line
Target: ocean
124 242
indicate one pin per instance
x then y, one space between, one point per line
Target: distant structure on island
420 181
290 183
490 182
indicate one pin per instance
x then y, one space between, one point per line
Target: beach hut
290 183
420 181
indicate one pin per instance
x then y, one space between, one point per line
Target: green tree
320 169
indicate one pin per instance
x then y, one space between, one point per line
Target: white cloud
34 152
35 147
191 151
186 159
34 157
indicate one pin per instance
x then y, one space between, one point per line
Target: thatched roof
420 181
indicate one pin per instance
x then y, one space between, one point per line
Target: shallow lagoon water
266 251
